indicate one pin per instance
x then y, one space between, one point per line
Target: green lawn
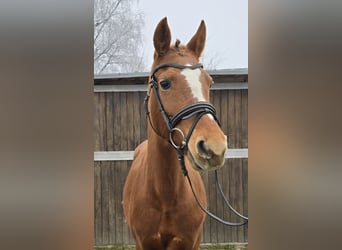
231 246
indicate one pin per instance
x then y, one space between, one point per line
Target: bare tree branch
117 37
211 61
106 19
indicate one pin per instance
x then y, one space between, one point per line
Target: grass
232 246
222 246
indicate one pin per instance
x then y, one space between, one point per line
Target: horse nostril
203 150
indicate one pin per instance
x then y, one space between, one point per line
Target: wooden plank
103 119
237 118
105 202
143 124
217 102
128 155
212 206
130 121
239 198
231 111
117 203
109 122
113 155
120 88
206 225
111 201
120 178
219 235
224 173
220 213
230 85
123 121
102 122
99 122
137 119
97 204
126 233
234 193
121 75
97 132
224 111
237 195
229 196
245 195
244 119
117 121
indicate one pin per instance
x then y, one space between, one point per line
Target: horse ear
162 38
197 42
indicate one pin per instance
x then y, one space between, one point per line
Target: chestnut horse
158 203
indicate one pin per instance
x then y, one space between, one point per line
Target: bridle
171 121
198 109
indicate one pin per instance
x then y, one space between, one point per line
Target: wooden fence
120 125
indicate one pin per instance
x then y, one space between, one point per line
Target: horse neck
163 170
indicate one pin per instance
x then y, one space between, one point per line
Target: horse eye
165 84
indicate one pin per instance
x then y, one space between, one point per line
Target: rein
199 109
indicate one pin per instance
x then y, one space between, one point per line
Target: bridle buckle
183 144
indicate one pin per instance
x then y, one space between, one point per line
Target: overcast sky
226 21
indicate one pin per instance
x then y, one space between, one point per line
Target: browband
177 66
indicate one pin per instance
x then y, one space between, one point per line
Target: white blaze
192 76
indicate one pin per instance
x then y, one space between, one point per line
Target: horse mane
177 43
179 48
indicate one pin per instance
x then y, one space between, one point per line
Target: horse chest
168 229
176 221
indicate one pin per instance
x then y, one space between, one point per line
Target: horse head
181 84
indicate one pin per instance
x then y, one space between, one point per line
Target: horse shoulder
140 151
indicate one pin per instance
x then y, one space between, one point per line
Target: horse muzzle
207 154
